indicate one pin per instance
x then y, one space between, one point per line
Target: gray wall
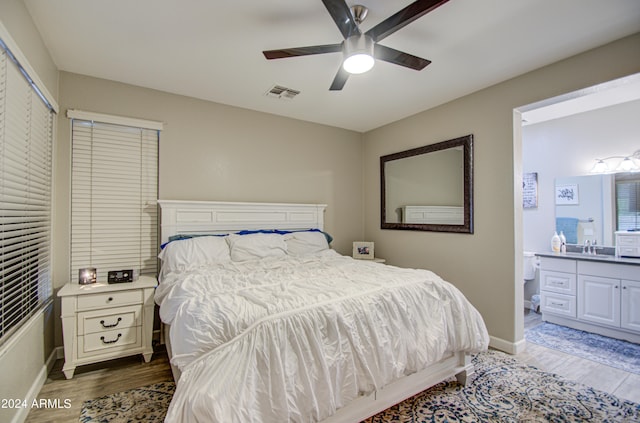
484 265
210 151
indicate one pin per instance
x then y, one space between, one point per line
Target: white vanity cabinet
558 286
630 307
595 296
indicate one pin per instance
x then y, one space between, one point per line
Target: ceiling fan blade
396 57
403 18
302 51
339 80
342 16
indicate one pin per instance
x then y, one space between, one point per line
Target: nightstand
104 321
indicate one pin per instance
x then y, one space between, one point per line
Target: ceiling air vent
282 93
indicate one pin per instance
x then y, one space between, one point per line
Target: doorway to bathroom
561 138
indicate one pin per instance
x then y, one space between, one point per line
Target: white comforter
294 339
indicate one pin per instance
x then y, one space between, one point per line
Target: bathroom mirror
592 214
429 188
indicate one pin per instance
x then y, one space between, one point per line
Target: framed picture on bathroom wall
567 194
530 190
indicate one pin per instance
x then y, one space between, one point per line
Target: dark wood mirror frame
466 142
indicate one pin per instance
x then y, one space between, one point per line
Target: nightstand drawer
109 299
106 320
104 342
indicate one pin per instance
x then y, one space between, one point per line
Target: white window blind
628 201
114 219
26 140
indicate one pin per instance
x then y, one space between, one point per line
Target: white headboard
216 217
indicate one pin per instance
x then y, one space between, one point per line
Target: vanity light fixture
628 164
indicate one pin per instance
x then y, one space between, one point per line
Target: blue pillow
246 232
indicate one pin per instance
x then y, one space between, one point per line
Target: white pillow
303 243
256 246
192 252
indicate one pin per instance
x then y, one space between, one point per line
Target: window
26 142
627 201
114 192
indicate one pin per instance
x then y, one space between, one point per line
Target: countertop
592 257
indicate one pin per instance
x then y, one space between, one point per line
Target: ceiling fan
363 47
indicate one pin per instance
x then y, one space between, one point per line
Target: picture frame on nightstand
363 250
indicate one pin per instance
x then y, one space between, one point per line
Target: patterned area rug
612 352
147 404
502 389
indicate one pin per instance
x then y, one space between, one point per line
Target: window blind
114 192
26 142
628 201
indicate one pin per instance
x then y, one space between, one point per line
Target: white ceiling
212 50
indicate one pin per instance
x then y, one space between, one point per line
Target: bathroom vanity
594 293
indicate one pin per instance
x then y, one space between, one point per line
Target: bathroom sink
594 257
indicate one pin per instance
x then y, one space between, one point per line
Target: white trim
116 120
23 412
37 384
22 59
507 346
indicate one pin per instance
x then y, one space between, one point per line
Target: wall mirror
602 204
429 188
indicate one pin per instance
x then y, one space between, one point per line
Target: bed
265 322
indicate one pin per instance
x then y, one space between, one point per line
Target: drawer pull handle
111 326
557 304
110 342
110 299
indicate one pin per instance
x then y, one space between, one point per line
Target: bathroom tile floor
622 384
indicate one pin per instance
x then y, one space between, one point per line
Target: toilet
529 266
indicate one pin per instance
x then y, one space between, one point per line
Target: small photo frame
567 194
363 250
87 275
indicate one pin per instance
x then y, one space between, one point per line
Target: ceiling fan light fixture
358 54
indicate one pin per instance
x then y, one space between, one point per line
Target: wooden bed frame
212 217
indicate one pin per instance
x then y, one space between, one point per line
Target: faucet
586 247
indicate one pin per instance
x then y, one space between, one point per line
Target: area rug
502 389
612 352
147 404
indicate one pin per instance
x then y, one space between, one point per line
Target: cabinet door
630 298
599 300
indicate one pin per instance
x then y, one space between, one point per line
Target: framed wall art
530 190
567 194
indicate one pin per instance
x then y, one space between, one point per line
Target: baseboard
507 346
56 354
37 385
